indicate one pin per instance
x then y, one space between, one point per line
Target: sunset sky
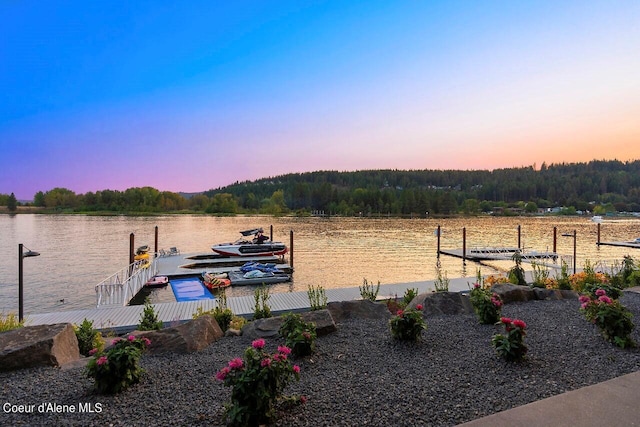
189 96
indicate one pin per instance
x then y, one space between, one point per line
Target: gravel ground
358 376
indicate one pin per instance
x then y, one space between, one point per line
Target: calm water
77 252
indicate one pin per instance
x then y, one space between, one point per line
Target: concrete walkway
610 403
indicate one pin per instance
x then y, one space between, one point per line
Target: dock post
519 236
291 249
438 231
131 245
574 251
598 234
271 232
155 249
464 244
555 240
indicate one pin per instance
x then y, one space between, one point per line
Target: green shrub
486 304
9 322
614 320
222 313
299 335
368 291
407 325
409 295
511 345
149 319
317 298
88 337
516 273
261 309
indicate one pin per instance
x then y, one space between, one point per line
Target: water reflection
78 251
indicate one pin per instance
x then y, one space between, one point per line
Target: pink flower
93 351
505 320
258 344
584 298
303 399
605 299
131 338
115 341
306 335
419 307
399 313
519 324
296 369
266 362
600 292
280 357
146 341
476 285
222 374
236 363
102 360
284 349
584 305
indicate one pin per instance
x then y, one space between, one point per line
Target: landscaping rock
437 303
42 345
191 336
361 309
547 294
262 328
513 293
323 320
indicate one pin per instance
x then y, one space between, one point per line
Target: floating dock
497 254
634 244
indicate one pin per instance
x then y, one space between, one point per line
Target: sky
190 96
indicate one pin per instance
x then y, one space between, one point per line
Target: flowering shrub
614 320
511 346
487 305
117 368
257 383
299 336
407 325
88 337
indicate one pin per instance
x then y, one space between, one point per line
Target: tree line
596 186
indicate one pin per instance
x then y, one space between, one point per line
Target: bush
222 313
486 305
511 346
367 291
118 368
257 383
317 298
409 295
261 309
149 319
516 274
614 320
299 335
407 325
88 337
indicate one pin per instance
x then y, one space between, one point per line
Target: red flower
419 306
519 324
505 320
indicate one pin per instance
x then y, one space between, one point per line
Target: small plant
613 319
237 322
88 337
511 346
563 278
409 295
516 274
442 281
118 368
222 313
261 309
149 319
299 335
407 325
9 322
257 383
486 304
368 291
317 298
540 275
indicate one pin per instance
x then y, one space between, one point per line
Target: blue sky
188 96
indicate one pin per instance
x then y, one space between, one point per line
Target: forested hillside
597 186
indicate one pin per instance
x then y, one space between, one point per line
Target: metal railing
119 288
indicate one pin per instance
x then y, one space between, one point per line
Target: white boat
596 218
258 246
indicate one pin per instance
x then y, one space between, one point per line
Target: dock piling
438 250
291 249
519 237
155 249
464 244
131 246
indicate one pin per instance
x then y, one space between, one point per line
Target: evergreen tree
12 203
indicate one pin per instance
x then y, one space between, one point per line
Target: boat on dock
257 277
258 246
214 281
157 282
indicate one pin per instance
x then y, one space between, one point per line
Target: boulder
194 335
42 345
269 328
547 294
361 309
513 293
437 303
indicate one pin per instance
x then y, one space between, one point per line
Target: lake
79 251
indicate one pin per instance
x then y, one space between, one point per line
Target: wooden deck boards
122 319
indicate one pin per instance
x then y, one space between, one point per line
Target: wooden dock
634 245
197 263
125 319
496 254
